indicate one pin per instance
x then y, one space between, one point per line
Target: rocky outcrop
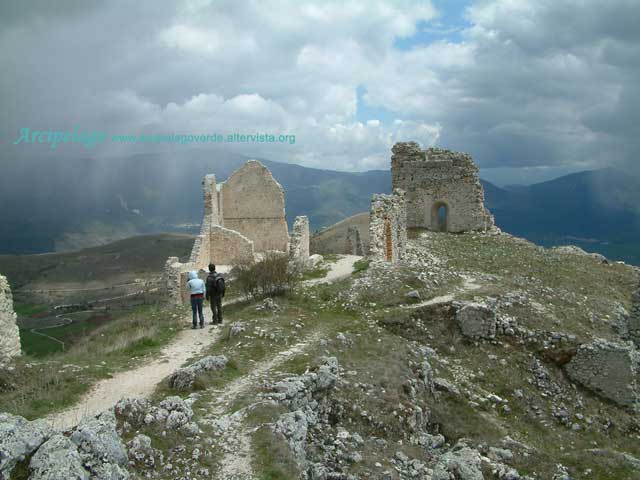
633 321
9 333
57 458
306 397
184 378
101 448
461 463
172 413
608 369
19 438
476 320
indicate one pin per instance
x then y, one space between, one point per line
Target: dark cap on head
212 267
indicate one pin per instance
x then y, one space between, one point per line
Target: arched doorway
440 216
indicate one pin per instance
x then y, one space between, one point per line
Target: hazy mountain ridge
112 198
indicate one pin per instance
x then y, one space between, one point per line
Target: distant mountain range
58 205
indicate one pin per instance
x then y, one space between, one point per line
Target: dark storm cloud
531 83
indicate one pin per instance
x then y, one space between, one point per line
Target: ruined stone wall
202 244
439 178
174 272
253 205
388 227
299 244
609 369
353 242
228 247
9 333
634 318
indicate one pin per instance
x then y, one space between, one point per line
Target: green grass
47 382
361 265
28 309
315 273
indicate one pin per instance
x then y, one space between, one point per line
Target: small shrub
274 275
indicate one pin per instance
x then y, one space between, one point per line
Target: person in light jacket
197 290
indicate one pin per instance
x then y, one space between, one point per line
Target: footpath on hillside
142 381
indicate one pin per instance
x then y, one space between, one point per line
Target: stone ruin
299 242
443 189
244 218
388 227
9 332
436 189
353 242
609 369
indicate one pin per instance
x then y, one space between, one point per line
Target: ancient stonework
476 320
443 189
634 319
172 277
388 227
608 369
252 203
353 243
228 247
9 333
243 216
299 245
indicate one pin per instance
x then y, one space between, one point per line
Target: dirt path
341 269
139 382
234 436
468 285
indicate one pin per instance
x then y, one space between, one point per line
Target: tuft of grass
361 265
319 272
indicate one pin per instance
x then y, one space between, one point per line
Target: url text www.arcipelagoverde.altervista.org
92 138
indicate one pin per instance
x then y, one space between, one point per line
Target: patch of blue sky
448 25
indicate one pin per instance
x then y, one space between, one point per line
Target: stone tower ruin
442 189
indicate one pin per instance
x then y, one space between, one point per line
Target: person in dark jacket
215 292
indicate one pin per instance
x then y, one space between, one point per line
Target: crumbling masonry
299 245
9 333
609 369
442 188
388 227
244 217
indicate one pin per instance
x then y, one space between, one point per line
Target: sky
532 89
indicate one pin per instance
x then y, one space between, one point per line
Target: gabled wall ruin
252 204
443 189
243 216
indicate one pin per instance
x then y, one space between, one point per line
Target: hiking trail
142 381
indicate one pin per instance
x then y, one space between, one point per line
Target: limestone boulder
460 463
184 378
19 438
57 458
101 448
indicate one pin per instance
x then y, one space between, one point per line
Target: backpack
220 286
